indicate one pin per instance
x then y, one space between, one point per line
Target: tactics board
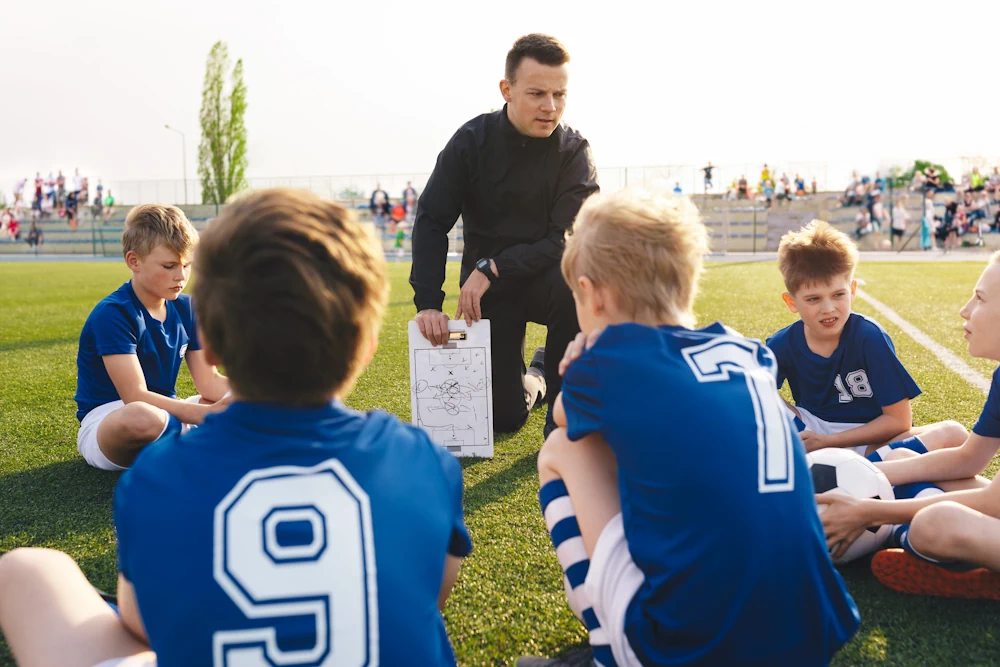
451 388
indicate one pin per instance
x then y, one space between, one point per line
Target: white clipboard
451 388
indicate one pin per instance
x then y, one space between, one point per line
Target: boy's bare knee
898 454
143 422
934 530
551 453
954 433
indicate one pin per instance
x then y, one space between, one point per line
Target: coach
517 177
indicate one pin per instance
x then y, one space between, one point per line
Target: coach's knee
936 531
143 422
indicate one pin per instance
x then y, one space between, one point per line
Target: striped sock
914 444
904 492
560 518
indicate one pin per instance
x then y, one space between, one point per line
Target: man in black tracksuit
518 178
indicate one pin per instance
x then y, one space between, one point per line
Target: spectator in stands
36 202
84 194
768 192
19 193
918 181
800 186
71 216
879 216
48 204
976 181
741 190
60 190
879 183
100 190
109 205
975 207
947 233
932 179
35 237
411 207
677 188
928 223
97 208
379 205
781 192
814 185
708 175
409 195
994 184
765 175
49 191
6 218
863 224
900 221
77 184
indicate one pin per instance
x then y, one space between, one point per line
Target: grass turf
509 599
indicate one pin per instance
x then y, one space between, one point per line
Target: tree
222 153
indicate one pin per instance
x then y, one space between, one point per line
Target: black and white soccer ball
846 471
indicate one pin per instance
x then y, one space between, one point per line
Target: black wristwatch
483 266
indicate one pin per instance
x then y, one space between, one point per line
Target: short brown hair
817 253
542 48
648 249
289 291
150 225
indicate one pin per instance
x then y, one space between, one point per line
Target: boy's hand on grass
843 520
576 347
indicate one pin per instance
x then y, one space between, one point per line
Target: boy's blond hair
150 225
648 249
817 253
289 295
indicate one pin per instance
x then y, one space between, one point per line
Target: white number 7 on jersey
714 361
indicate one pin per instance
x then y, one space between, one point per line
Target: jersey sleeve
581 392
460 543
122 505
988 425
778 344
890 381
115 332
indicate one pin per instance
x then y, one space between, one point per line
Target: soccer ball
845 471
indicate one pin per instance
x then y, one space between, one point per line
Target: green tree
222 153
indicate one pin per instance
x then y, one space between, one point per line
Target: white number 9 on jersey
330 576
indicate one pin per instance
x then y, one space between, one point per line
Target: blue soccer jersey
120 324
718 506
988 425
292 536
852 385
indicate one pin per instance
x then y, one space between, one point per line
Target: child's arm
846 517
451 567
128 608
968 460
895 419
130 383
559 412
210 384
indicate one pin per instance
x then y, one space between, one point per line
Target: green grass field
509 598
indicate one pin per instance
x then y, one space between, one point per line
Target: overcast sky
358 88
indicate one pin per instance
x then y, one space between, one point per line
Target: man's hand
472 292
814 441
844 520
577 346
433 326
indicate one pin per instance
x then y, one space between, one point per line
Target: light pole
183 159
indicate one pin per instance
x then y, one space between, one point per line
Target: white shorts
86 438
817 425
612 582
130 661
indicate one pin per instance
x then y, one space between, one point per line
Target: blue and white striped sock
560 518
913 443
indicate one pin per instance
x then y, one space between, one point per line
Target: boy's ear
854 288
593 298
369 353
789 301
132 260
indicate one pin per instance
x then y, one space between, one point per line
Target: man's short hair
647 249
544 49
150 225
290 293
817 253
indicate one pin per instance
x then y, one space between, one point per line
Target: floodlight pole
183 160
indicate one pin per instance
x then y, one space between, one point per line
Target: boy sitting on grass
952 547
288 529
850 389
643 521
134 341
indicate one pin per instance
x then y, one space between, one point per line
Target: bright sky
361 88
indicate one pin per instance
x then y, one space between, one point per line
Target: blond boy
287 529
850 389
133 343
643 518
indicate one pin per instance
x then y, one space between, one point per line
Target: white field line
944 355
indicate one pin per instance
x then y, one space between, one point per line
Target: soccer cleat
905 573
538 359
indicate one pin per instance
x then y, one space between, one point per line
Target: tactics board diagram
451 391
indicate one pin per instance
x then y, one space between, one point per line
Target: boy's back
853 384
717 501
277 531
